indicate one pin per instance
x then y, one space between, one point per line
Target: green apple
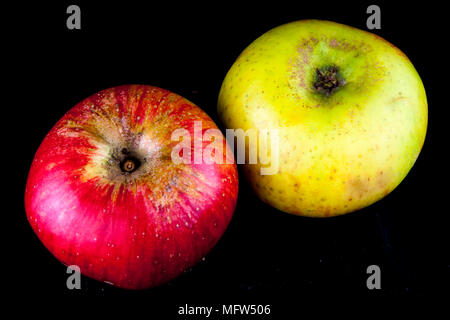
349 108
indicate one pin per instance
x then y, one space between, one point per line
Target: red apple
104 194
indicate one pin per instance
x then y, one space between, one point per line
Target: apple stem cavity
328 79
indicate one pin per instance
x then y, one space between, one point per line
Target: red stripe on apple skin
139 233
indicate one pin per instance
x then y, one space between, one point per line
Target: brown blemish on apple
314 40
345 46
297 66
360 187
397 99
333 43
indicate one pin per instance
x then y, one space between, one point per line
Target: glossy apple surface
104 194
349 107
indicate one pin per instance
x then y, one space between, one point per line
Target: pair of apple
104 194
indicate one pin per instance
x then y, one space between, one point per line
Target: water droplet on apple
137 257
177 225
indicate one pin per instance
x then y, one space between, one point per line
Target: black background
265 256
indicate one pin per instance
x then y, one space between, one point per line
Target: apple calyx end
327 80
129 164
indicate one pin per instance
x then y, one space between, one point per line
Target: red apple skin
134 230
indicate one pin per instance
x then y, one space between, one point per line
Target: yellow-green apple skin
342 149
